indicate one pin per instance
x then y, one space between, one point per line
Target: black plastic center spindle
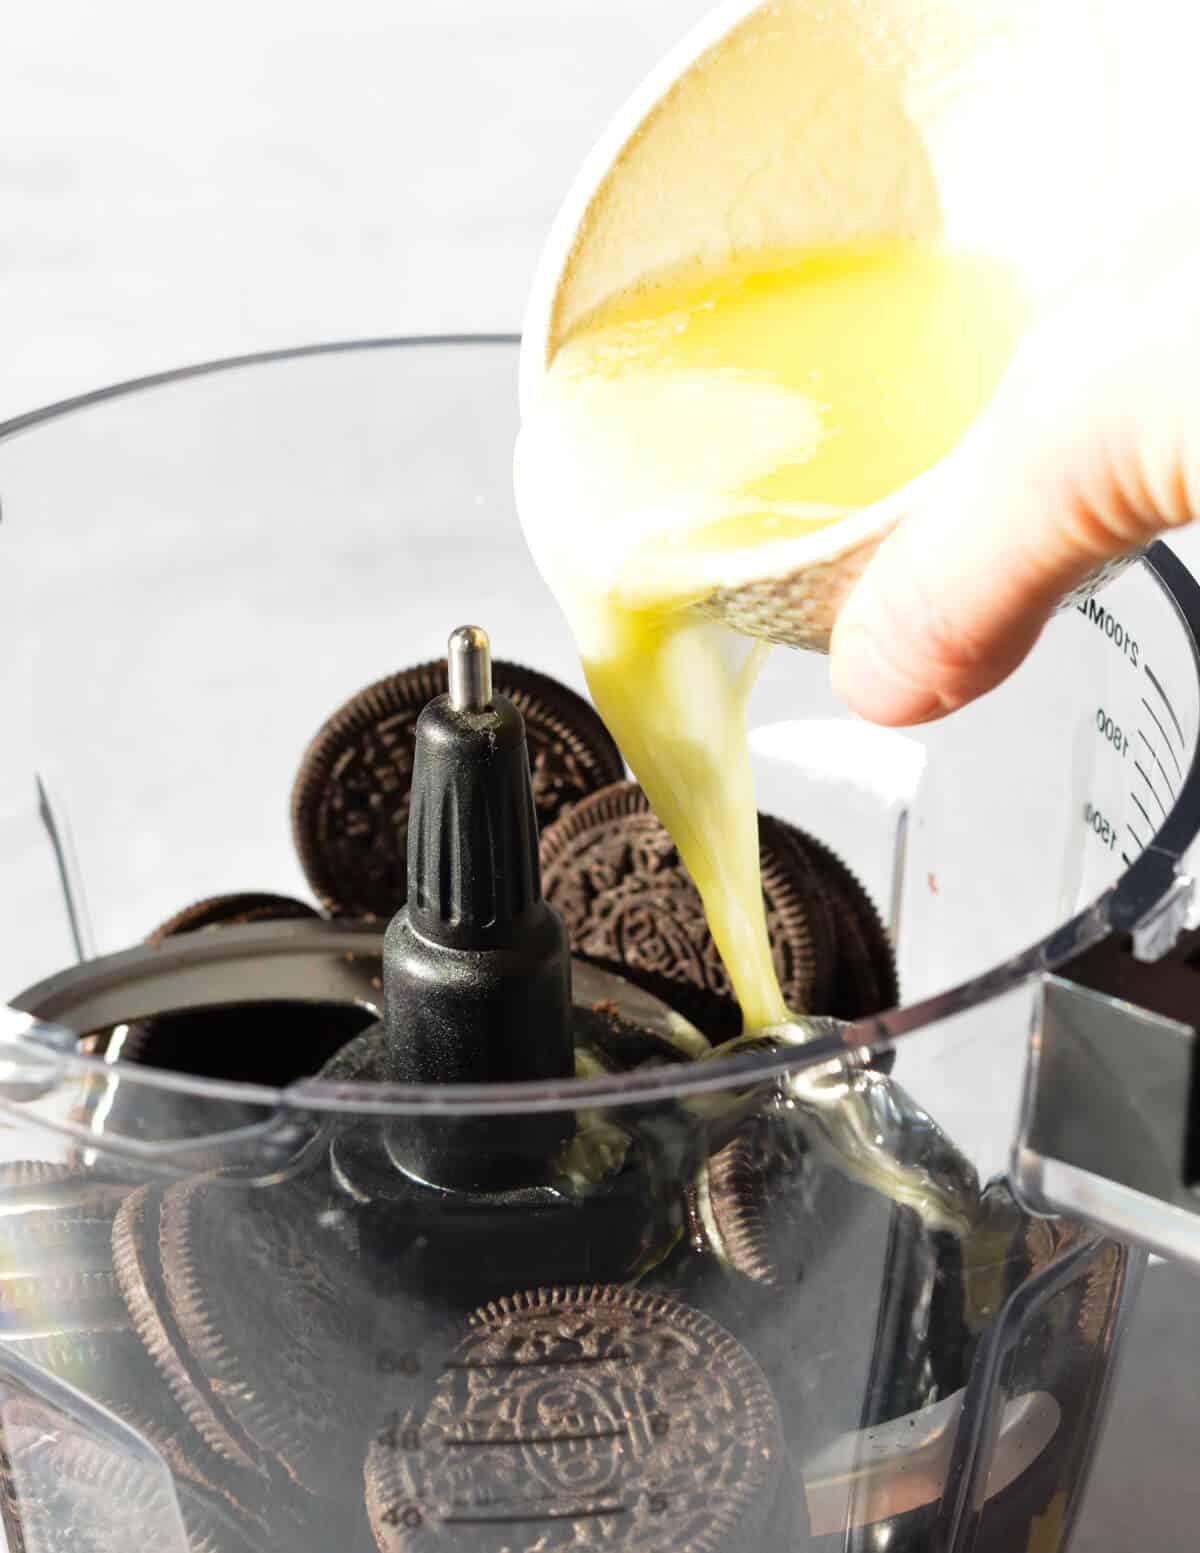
477 977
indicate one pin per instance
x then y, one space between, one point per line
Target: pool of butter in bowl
720 409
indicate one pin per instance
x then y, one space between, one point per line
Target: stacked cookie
607 863
110 1461
248 1335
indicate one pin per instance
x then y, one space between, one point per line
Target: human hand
1090 449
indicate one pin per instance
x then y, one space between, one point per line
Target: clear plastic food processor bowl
776 1302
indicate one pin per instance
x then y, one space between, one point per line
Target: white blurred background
184 182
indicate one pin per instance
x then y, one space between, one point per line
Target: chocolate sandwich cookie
1048 1239
41 1201
139 1263
630 907
56 1279
214 1525
111 1369
60 1305
260 1043
247 1043
350 799
729 1207
863 979
247 1322
766 1203
599 1416
242 907
71 1492
62 1310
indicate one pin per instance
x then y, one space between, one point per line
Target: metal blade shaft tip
469 656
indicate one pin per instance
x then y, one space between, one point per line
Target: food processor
433 1228
382 1163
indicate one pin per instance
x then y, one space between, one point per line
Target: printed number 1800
1109 729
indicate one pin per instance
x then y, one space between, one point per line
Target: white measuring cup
785 125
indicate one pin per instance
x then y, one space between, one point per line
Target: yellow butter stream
712 414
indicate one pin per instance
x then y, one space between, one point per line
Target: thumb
1090 449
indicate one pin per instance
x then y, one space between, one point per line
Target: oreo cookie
250 1323
257 1043
247 1043
113 1370
767 1204
240 908
57 1286
862 979
603 1417
61 1308
350 799
630 907
73 1492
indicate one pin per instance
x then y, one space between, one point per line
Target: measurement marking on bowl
1170 748
1157 762
1128 740
1166 700
551 1362
1141 771
630 1413
616 1433
1117 633
547 1515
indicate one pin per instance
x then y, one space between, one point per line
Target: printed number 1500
1102 827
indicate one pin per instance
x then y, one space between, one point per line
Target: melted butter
717 414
